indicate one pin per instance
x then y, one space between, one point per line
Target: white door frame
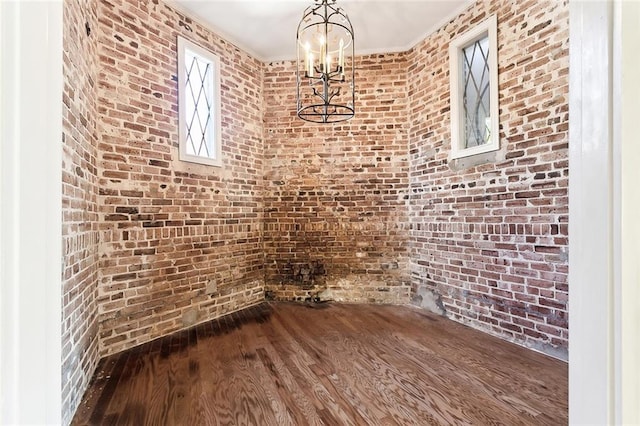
30 211
604 159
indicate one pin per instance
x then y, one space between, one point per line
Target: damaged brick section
307 275
429 300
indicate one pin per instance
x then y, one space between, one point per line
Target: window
198 104
474 91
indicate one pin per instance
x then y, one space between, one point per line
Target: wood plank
291 364
93 399
133 398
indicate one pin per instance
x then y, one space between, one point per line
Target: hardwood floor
334 364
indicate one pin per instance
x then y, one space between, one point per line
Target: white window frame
486 28
216 158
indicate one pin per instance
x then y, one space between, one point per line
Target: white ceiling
267 28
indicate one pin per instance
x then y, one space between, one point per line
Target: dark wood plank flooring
333 364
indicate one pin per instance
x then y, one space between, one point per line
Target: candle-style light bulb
341 55
307 63
323 53
310 69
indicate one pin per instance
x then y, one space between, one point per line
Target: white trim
626 109
183 45
591 222
604 306
30 212
486 28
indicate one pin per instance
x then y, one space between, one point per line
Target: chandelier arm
333 94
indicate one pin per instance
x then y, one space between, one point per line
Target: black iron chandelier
326 88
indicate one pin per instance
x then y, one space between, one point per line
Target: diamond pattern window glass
476 102
199 104
474 91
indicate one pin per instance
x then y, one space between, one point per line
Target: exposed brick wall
336 195
371 209
491 239
180 243
79 205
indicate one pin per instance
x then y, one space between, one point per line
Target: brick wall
79 204
336 195
370 209
489 235
181 243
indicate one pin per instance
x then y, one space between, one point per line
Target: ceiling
267 28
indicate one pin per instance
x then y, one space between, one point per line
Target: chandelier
325 80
